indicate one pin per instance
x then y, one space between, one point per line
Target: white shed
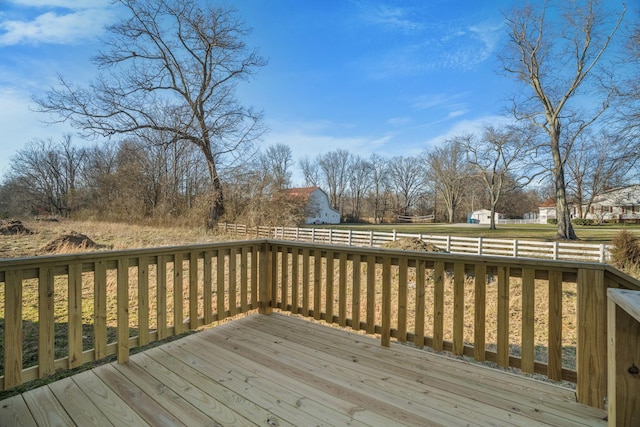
483 216
318 210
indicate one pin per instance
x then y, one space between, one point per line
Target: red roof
302 193
549 203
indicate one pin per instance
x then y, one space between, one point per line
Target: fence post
602 253
313 235
555 250
297 234
371 238
480 245
448 243
591 366
350 237
395 235
515 248
331 236
266 266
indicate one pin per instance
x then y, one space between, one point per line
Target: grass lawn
595 234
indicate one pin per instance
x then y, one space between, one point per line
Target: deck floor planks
179 381
163 395
45 408
305 402
540 398
383 403
79 407
282 370
302 395
252 413
15 412
417 396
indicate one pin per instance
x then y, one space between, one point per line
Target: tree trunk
217 197
563 216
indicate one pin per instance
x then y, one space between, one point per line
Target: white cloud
55 27
465 127
393 18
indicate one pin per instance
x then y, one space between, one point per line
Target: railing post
313 235
479 245
123 310
266 266
591 367
350 237
555 250
448 243
330 236
515 248
371 239
395 235
602 256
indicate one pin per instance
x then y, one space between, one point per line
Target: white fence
458 245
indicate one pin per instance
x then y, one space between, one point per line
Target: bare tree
379 187
47 173
599 163
276 162
359 184
557 60
310 171
449 173
406 176
171 67
499 156
335 167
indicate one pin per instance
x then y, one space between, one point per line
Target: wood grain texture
285 371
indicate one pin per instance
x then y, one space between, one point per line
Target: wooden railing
565 251
534 315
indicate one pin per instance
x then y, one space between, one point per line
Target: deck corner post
266 267
591 367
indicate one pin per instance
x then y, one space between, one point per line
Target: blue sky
383 76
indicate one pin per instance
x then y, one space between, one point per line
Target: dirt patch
13 226
413 244
69 243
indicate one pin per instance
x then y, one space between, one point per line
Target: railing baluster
342 290
503 317
284 274
371 294
317 263
479 325
244 306
386 301
402 299
193 290
329 287
143 301
554 345
233 287
458 308
305 281
254 276
438 305
123 310
46 352
528 320
74 312
355 297
220 311
178 296
420 290
13 329
161 296
207 288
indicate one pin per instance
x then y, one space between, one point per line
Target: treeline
133 180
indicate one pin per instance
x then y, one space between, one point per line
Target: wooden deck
279 370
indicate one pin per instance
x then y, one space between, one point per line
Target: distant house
616 205
547 210
483 216
317 208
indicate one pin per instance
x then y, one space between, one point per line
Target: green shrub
625 251
552 221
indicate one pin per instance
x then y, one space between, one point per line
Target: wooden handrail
125 299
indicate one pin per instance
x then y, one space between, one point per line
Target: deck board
281 370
